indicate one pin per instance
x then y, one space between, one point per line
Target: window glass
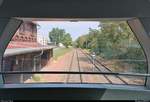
81 46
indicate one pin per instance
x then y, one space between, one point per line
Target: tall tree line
58 35
113 40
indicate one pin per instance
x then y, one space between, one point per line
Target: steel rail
68 76
97 67
111 71
107 69
79 66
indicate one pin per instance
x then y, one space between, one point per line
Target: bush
36 77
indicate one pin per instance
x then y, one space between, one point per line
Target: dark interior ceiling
75 8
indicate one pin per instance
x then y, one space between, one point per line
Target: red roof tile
19 44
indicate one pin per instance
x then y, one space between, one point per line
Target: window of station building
82 46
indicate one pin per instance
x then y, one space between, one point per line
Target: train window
75 52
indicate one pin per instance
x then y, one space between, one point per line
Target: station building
24 53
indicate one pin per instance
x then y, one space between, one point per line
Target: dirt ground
77 60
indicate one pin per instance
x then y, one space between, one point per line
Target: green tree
82 41
60 36
56 35
114 40
67 40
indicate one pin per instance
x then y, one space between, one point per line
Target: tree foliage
113 40
57 36
67 40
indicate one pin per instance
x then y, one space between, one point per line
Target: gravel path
77 60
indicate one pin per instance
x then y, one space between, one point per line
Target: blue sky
76 29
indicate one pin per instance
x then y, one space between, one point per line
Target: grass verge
60 52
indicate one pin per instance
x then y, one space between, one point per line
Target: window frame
99 73
7 90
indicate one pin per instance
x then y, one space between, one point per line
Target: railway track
111 71
75 65
96 67
69 76
102 68
79 66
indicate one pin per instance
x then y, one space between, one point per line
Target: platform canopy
19 51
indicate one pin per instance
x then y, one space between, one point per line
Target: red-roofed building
24 53
26 36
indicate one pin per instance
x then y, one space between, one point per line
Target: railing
73 72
